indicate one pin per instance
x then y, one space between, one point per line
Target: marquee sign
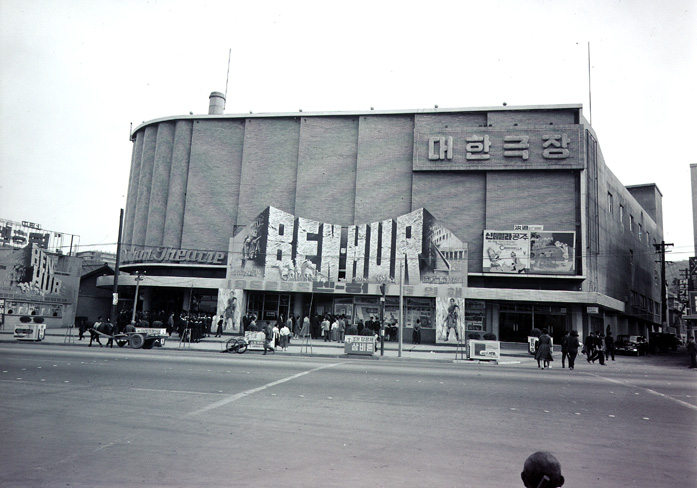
172 255
486 148
283 252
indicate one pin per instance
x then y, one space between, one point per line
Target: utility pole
383 293
115 291
661 248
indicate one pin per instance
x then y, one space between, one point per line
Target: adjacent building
485 220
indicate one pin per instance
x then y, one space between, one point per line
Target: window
631 223
610 204
622 214
641 229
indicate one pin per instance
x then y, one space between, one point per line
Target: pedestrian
600 349
82 329
692 351
610 345
572 348
268 332
219 329
285 336
305 331
564 348
544 350
542 469
597 349
416 334
276 334
325 329
342 327
589 347
289 324
170 324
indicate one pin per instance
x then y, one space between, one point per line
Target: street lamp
138 279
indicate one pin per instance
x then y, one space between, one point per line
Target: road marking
649 390
238 396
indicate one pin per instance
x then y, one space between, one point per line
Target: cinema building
508 214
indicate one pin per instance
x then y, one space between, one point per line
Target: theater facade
509 214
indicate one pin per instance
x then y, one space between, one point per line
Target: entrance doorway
517 320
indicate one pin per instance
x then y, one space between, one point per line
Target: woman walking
544 349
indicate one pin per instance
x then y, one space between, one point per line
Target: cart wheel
137 341
242 347
231 345
122 343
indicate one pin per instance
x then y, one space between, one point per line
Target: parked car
631 344
661 341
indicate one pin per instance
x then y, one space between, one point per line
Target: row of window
645 303
641 233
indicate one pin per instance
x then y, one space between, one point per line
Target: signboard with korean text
361 345
693 302
506 251
489 148
281 252
22 234
529 252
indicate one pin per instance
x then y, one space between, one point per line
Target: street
123 417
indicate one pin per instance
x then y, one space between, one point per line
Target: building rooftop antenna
227 78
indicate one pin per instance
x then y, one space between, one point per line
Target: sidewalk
511 353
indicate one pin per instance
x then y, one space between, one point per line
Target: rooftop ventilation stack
216 104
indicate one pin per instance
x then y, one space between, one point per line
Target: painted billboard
281 252
506 251
35 282
552 253
529 252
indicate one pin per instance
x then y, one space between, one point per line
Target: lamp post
138 279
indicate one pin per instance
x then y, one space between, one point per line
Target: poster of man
229 309
450 324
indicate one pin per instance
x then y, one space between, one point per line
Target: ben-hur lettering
172 255
478 147
280 247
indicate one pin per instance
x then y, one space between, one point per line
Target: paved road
120 417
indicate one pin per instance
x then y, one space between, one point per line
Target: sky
74 76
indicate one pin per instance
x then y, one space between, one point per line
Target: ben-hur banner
534 252
39 280
279 251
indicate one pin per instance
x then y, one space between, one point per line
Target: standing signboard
359 345
484 350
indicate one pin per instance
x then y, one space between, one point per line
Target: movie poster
450 323
230 310
552 253
506 252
